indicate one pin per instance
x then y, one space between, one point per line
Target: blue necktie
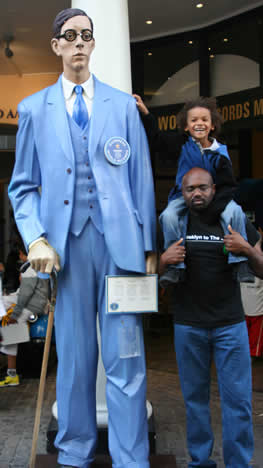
80 111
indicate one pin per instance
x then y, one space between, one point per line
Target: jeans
174 221
228 346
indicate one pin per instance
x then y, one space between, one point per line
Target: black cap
64 16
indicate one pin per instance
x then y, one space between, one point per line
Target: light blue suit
45 157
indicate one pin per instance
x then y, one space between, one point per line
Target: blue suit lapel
59 119
100 114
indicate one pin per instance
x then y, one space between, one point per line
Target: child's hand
140 104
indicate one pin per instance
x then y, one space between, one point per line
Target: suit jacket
45 158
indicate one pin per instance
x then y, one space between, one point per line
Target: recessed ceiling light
148 21
190 42
199 5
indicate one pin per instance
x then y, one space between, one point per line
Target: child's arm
224 175
159 141
225 186
225 189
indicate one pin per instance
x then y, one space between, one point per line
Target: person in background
30 298
252 299
10 275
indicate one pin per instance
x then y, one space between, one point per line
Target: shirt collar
68 86
214 146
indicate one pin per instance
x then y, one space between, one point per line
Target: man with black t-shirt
209 323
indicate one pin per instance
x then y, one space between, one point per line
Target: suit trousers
81 294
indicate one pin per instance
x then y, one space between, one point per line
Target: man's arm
236 244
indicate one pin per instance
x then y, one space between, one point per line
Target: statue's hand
151 263
42 257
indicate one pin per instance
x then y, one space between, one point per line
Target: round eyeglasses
70 35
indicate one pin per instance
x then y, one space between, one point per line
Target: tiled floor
17 407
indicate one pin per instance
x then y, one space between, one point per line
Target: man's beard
206 212
199 207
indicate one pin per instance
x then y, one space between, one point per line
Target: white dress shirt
70 95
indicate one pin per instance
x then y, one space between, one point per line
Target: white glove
151 263
42 256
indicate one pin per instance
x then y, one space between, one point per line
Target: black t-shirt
210 296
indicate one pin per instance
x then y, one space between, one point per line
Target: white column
110 60
111 63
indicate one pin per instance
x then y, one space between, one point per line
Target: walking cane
42 381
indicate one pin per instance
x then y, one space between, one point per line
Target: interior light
190 42
148 21
199 5
211 56
209 48
149 53
225 39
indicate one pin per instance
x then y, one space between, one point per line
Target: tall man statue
82 142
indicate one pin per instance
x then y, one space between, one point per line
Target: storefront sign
8 114
243 110
239 107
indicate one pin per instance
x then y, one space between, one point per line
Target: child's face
199 124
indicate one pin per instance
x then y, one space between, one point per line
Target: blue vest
86 204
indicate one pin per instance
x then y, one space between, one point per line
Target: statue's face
75 54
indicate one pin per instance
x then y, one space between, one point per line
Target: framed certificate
131 294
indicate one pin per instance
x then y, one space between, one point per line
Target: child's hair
206 102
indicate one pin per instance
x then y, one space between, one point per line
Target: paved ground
17 406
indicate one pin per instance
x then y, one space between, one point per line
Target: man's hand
235 243
42 256
140 104
151 263
173 255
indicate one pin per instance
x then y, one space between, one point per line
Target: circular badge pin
117 151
